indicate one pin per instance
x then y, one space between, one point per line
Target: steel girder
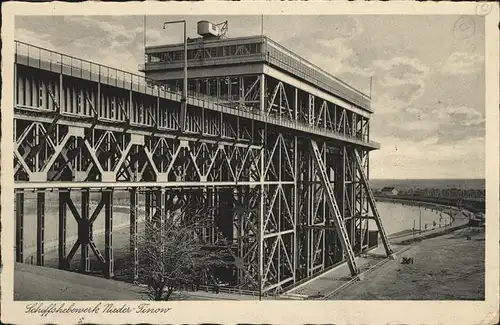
258 184
229 151
280 100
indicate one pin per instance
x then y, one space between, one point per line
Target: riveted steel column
160 215
263 107
63 195
16 101
159 206
352 196
340 186
108 233
83 232
295 205
262 214
134 251
148 206
296 104
40 226
62 104
310 214
19 227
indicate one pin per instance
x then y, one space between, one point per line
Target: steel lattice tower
274 150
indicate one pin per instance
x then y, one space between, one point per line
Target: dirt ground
449 267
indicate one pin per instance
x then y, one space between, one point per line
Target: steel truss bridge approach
282 171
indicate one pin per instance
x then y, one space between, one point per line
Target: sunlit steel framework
280 167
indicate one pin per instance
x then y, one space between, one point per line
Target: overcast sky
428 73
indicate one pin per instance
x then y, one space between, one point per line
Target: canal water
397 217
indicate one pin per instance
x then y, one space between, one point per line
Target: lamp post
185 80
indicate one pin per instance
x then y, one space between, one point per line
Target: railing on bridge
283 58
37 57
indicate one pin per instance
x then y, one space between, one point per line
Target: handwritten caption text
44 309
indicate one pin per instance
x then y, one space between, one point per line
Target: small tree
172 256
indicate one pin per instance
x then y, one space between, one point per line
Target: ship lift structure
274 151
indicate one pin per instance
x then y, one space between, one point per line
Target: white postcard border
286 312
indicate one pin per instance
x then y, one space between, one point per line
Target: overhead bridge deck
160 101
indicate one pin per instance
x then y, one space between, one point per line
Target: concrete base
393 256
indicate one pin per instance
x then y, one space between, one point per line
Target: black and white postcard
269 162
